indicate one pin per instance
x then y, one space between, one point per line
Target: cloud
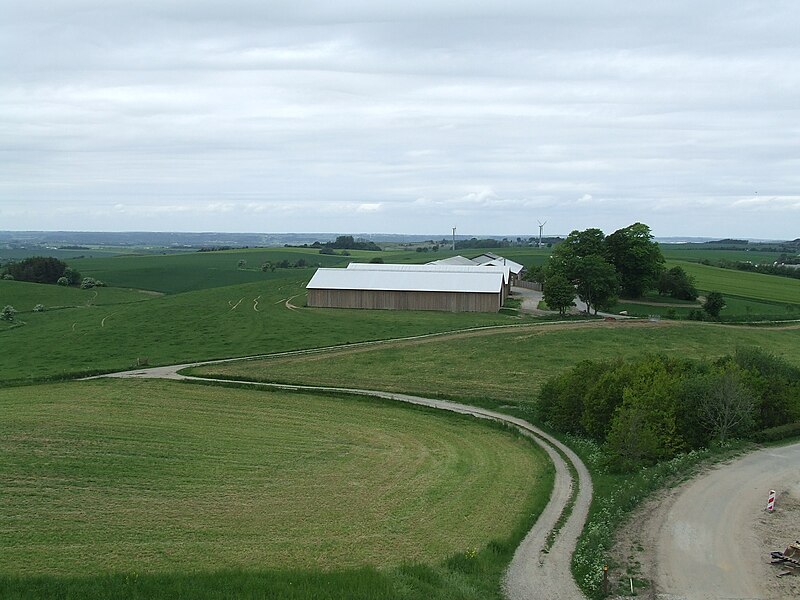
377 115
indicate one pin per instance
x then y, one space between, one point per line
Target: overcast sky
401 117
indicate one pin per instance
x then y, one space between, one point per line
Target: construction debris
789 558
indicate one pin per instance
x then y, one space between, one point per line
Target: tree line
651 409
46 269
601 268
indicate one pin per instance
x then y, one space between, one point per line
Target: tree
535 273
73 277
729 408
38 269
597 283
242 263
636 257
714 304
62 281
558 293
578 245
677 283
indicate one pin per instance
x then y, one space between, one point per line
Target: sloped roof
486 257
436 268
515 267
490 282
454 260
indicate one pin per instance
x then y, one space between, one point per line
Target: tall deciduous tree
714 304
597 283
558 293
636 257
568 255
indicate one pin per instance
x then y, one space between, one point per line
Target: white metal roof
488 282
515 267
454 260
436 268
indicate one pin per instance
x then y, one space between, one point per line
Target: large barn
440 268
407 289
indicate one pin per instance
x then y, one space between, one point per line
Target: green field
23 296
136 489
699 252
505 367
153 477
212 323
743 284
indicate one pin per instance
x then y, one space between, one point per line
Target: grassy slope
24 296
757 286
158 479
202 270
217 322
509 366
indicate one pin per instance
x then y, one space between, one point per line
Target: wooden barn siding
447 301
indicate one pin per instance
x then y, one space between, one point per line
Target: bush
38 308
62 281
8 277
774 434
7 314
90 282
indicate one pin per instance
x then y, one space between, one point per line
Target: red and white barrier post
771 501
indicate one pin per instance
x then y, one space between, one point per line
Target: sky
401 117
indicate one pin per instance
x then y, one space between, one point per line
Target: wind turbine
541 227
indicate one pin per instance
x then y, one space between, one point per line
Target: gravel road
710 538
533 573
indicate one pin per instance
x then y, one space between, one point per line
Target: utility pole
541 227
454 239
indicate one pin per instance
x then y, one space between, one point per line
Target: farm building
486 260
439 268
407 289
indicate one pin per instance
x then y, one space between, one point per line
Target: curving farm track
535 571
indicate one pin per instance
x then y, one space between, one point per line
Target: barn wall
392 300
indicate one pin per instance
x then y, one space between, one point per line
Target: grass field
756 286
505 367
698 252
212 323
202 270
23 296
162 479
736 309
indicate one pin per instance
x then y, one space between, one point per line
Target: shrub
90 282
7 314
38 308
62 281
773 434
8 277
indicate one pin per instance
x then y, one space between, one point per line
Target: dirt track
533 573
710 538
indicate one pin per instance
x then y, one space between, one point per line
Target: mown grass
118 488
504 367
698 252
743 284
213 323
23 296
193 271
736 309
